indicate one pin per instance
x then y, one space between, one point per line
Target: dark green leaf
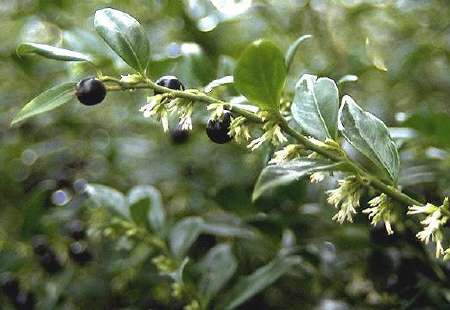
125 36
293 48
251 285
184 234
277 175
48 100
145 201
105 196
260 74
370 136
217 267
51 52
139 211
435 127
316 105
227 230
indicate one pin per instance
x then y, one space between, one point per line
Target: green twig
195 95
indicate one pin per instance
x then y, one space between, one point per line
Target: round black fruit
25 301
79 253
76 230
90 91
169 81
179 135
217 129
50 262
40 244
10 286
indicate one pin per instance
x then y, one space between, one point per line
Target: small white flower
131 78
317 177
277 135
426 209
433 224
148 109
287 153
239 130
273 133
346 199
381 211
256 143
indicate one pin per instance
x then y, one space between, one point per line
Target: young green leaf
217 267
251 285
293 48
124 35
110 198
48 100
276 175
184 234
260 74
50 52
315 106
146 205
370 136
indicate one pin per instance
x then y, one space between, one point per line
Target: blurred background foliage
398 49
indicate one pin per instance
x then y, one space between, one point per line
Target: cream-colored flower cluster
346 198
272 133
162 105
381 210
433 224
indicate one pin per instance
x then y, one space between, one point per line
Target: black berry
169 81
50 262
79 253
76 230
40 244
25 301
217 129
90 91
179 135
10 286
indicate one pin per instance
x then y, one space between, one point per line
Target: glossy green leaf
260 74
217 267
276 175
263 277
293 48
51 52
184 234
227 230
370 136
315 106
108 197
47 101
125 36
146 206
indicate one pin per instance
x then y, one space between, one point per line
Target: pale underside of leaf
51 52
370 136
315 106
